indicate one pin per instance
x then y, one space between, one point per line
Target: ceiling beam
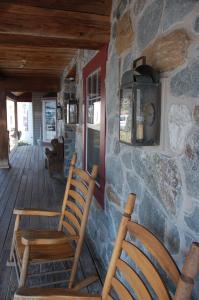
27 41
102 7
25 97
30 84
42 22
8 72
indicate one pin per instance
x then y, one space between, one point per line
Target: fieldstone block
114 173
196 114
124 33
196 25
172 239
134 184
111 125
180 124
192 220
151 217
149 23
175 11
168 52
186 81
138 6
116 146
116 216
162 178
190 161
112 196
112 85
126 159
114 27
128 61
120 9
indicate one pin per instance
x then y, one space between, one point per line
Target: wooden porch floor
27 184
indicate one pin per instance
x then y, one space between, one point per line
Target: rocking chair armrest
35 212
30 239
65 294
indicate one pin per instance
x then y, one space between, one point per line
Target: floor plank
28 184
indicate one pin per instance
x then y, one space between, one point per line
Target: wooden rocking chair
41 246
123 279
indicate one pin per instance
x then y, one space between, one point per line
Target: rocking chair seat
42 253
51 293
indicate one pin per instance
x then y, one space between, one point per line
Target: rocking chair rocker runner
41 246
122 278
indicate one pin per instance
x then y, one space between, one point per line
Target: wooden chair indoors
131 273
41 246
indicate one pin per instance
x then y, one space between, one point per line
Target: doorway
25 122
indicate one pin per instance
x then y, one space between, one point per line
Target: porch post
16 116
4 135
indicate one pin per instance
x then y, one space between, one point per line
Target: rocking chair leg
16 227
24 268
74 268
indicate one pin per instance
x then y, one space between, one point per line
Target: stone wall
166 177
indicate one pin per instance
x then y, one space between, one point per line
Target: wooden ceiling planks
22 40
100 7
39 38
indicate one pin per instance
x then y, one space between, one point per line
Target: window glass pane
94 87
93 120
99 84
89 87
93 148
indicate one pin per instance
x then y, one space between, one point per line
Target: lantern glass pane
147 116
73 113
126 114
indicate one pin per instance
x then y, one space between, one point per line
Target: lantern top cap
143 71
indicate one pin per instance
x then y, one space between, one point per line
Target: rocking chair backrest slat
75 209
129 265
131 276
147 268
73 220
121 290
82 175
79 186
155 247
77 198
69 228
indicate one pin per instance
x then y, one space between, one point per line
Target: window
95 119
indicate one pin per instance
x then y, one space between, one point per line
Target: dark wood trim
99 61
26 97
102 7
30 84
16 115
43 22
4 137
24 41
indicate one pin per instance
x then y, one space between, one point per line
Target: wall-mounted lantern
72 115
59 111
140 101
